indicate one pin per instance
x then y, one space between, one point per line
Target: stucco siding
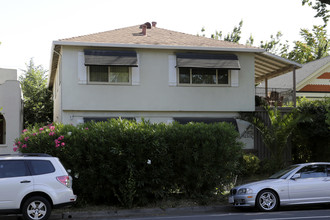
154 93
11 103
57 96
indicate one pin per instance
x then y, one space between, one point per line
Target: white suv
33 184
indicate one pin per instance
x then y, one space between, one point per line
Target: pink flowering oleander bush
121 162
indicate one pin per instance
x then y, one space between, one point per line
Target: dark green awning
110 57
201 60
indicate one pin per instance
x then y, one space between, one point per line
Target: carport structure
268 66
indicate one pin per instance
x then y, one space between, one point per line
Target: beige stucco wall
11 103
57 96
7 74
154 96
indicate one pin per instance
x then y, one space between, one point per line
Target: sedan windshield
283 173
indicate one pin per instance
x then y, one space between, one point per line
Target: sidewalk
138 212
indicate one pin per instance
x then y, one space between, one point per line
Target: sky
28 27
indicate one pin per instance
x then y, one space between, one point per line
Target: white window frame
111 83
199 85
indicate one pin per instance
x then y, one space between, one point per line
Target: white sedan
298 184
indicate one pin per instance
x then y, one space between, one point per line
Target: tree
315 45
275 44
234 36
321 9
38 104
250 41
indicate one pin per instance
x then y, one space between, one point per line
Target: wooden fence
261 150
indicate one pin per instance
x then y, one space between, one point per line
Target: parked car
33 184
298 184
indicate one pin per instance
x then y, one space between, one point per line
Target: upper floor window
109 74
205 68
203 76
108 66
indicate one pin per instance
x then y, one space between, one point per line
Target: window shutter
234 78
136 73
172 79
82 73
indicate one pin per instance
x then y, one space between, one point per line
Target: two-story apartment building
160 75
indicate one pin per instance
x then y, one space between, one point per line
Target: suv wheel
36 208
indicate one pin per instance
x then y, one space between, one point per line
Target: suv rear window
39 167
13 168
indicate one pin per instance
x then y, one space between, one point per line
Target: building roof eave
152 46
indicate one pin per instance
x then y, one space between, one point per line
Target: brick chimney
144 29
154 23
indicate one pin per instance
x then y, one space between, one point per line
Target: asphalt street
211 213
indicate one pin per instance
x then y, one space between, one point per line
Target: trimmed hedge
121 162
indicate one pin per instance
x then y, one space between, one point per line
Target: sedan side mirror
295 176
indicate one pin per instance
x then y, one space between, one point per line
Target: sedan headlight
244 191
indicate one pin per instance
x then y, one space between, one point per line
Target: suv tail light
65 180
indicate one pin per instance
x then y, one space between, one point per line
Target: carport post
266 88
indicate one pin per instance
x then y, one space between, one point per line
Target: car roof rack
26 155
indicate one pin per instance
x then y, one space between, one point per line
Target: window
203 76
109 74
313 171
39 167
328 170
13 168
103 119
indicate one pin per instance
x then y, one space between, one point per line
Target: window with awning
108 66
206 69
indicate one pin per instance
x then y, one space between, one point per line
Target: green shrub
311 137
206 155
121 162
250 164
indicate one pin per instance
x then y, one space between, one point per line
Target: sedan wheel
267 200
36 208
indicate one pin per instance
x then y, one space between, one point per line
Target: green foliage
38 105
311 137
321 9
202 30
315 45
250 41
234 36
275 133
125 163
250 164
205 156
275 45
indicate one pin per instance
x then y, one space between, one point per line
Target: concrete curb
139 212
